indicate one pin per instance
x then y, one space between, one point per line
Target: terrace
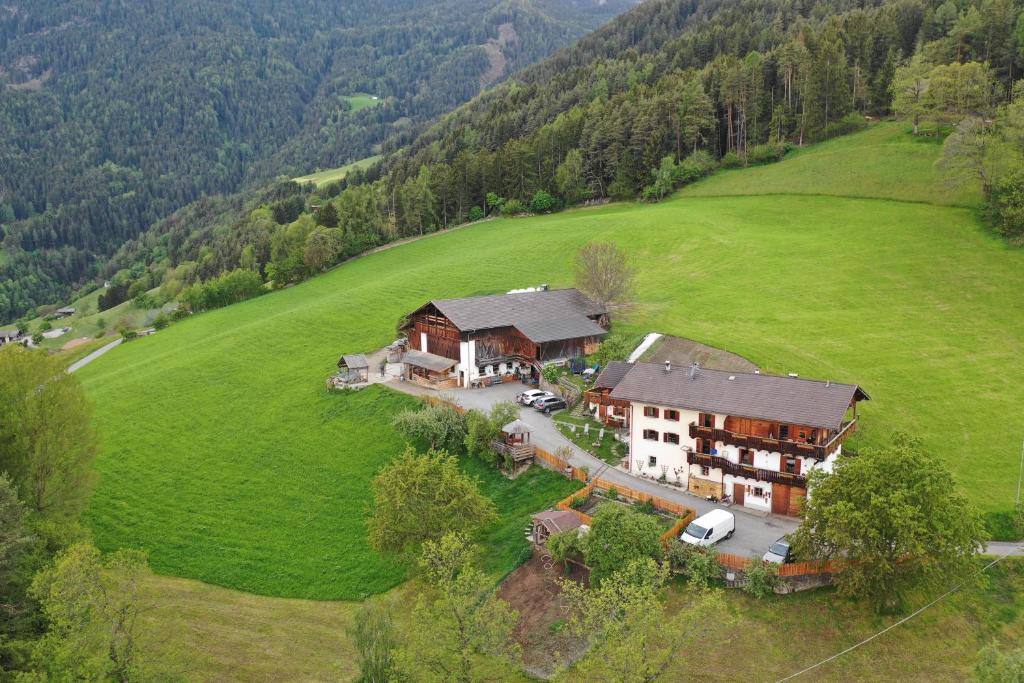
729 467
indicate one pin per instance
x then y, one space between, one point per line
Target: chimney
668 366
693 369
828 383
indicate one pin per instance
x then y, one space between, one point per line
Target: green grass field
223 456
333 174
361 100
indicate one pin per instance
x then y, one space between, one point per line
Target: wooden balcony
784 446
729 467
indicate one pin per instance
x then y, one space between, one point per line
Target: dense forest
661 96
115 113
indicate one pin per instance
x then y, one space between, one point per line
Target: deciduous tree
440 427
605 273
617 536
420 497
894 517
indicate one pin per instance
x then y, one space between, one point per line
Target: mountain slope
908 298
113 114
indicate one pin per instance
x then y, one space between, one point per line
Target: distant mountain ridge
115 113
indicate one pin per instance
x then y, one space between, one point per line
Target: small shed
66 311
354 368
429 366
552 522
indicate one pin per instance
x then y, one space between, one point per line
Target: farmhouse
469 340
751 436
65 312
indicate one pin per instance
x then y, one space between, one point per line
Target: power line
891 626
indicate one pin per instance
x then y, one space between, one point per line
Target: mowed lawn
226 459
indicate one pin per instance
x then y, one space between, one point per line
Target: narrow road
82 362
754 531
1004 548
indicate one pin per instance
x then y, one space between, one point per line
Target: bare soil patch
534 591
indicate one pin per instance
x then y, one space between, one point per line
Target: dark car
549 404
779 552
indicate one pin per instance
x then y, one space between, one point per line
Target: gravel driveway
754 531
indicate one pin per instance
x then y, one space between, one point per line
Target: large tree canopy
895 518
47 443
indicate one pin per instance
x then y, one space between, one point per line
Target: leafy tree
699 565
328 216
461 631
476 214
632 636
441 427
604 272
47 443
374 636
419 497
614 347
323 246
564 544
570 178
665 177
15 538
895 518
998 666
617 536
482 430
92 606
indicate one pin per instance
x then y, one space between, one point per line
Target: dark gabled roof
612 374
557 520
428 361
763 397
541 316
10 334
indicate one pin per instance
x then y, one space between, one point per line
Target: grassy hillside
332 174
224 457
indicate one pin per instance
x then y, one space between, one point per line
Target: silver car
528 397
779 552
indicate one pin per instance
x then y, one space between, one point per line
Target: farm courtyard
225 458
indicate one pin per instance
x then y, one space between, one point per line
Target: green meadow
332 174
224 456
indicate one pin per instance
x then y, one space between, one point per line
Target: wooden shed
354 368
551 522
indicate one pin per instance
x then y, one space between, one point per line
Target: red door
738 492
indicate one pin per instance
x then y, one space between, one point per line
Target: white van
709 528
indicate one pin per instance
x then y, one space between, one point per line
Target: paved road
754 532
81 363
1000 548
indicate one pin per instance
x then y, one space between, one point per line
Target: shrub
128 334
696 166
699 565
645 507
513 207
237 285
612 494
579 503
476 213
1005 525
762 577
731 160
850 123
766 154
542 202
1007 205
161 321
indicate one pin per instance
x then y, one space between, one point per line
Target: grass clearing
224 457
360 101
332 174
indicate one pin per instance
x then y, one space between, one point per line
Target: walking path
82 362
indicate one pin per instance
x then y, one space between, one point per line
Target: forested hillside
115 113
663 95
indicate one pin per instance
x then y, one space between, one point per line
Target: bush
1006 205
699 565
513 207
161 321
128 334
762 577
850 123
476 213
542 202
229 288
696 166
731 160
612 494
1005 525
766 154
579 503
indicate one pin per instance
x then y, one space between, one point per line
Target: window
706 420
652 461
758 492
704 446
651 434
746 456
792 466
672 415
671 438
650 412
783 432
705 470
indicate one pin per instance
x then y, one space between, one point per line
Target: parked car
530 395
779 552
709 528
549 404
